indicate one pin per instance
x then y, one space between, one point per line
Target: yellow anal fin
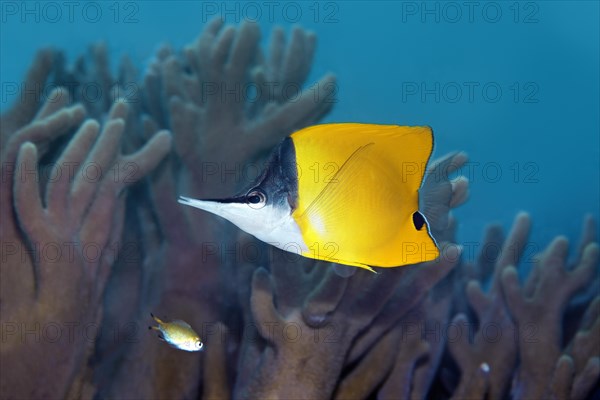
359 265
337 261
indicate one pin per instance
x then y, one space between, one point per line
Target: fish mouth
185 200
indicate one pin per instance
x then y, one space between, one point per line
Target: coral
275 325
419 356
60 283
501 356
532 317
541 303
325 309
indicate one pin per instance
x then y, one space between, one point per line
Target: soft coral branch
544 310
499 357
68 284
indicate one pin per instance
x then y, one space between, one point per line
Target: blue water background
545 143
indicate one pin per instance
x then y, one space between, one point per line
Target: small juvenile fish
178 334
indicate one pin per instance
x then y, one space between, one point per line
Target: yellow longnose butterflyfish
347 193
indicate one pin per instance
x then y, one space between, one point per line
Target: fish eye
256 198
199 344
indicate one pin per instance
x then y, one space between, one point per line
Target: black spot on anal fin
418 220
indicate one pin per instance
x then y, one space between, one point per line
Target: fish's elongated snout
232 209
266 222
212 206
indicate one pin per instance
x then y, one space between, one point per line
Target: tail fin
156 319
435 194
